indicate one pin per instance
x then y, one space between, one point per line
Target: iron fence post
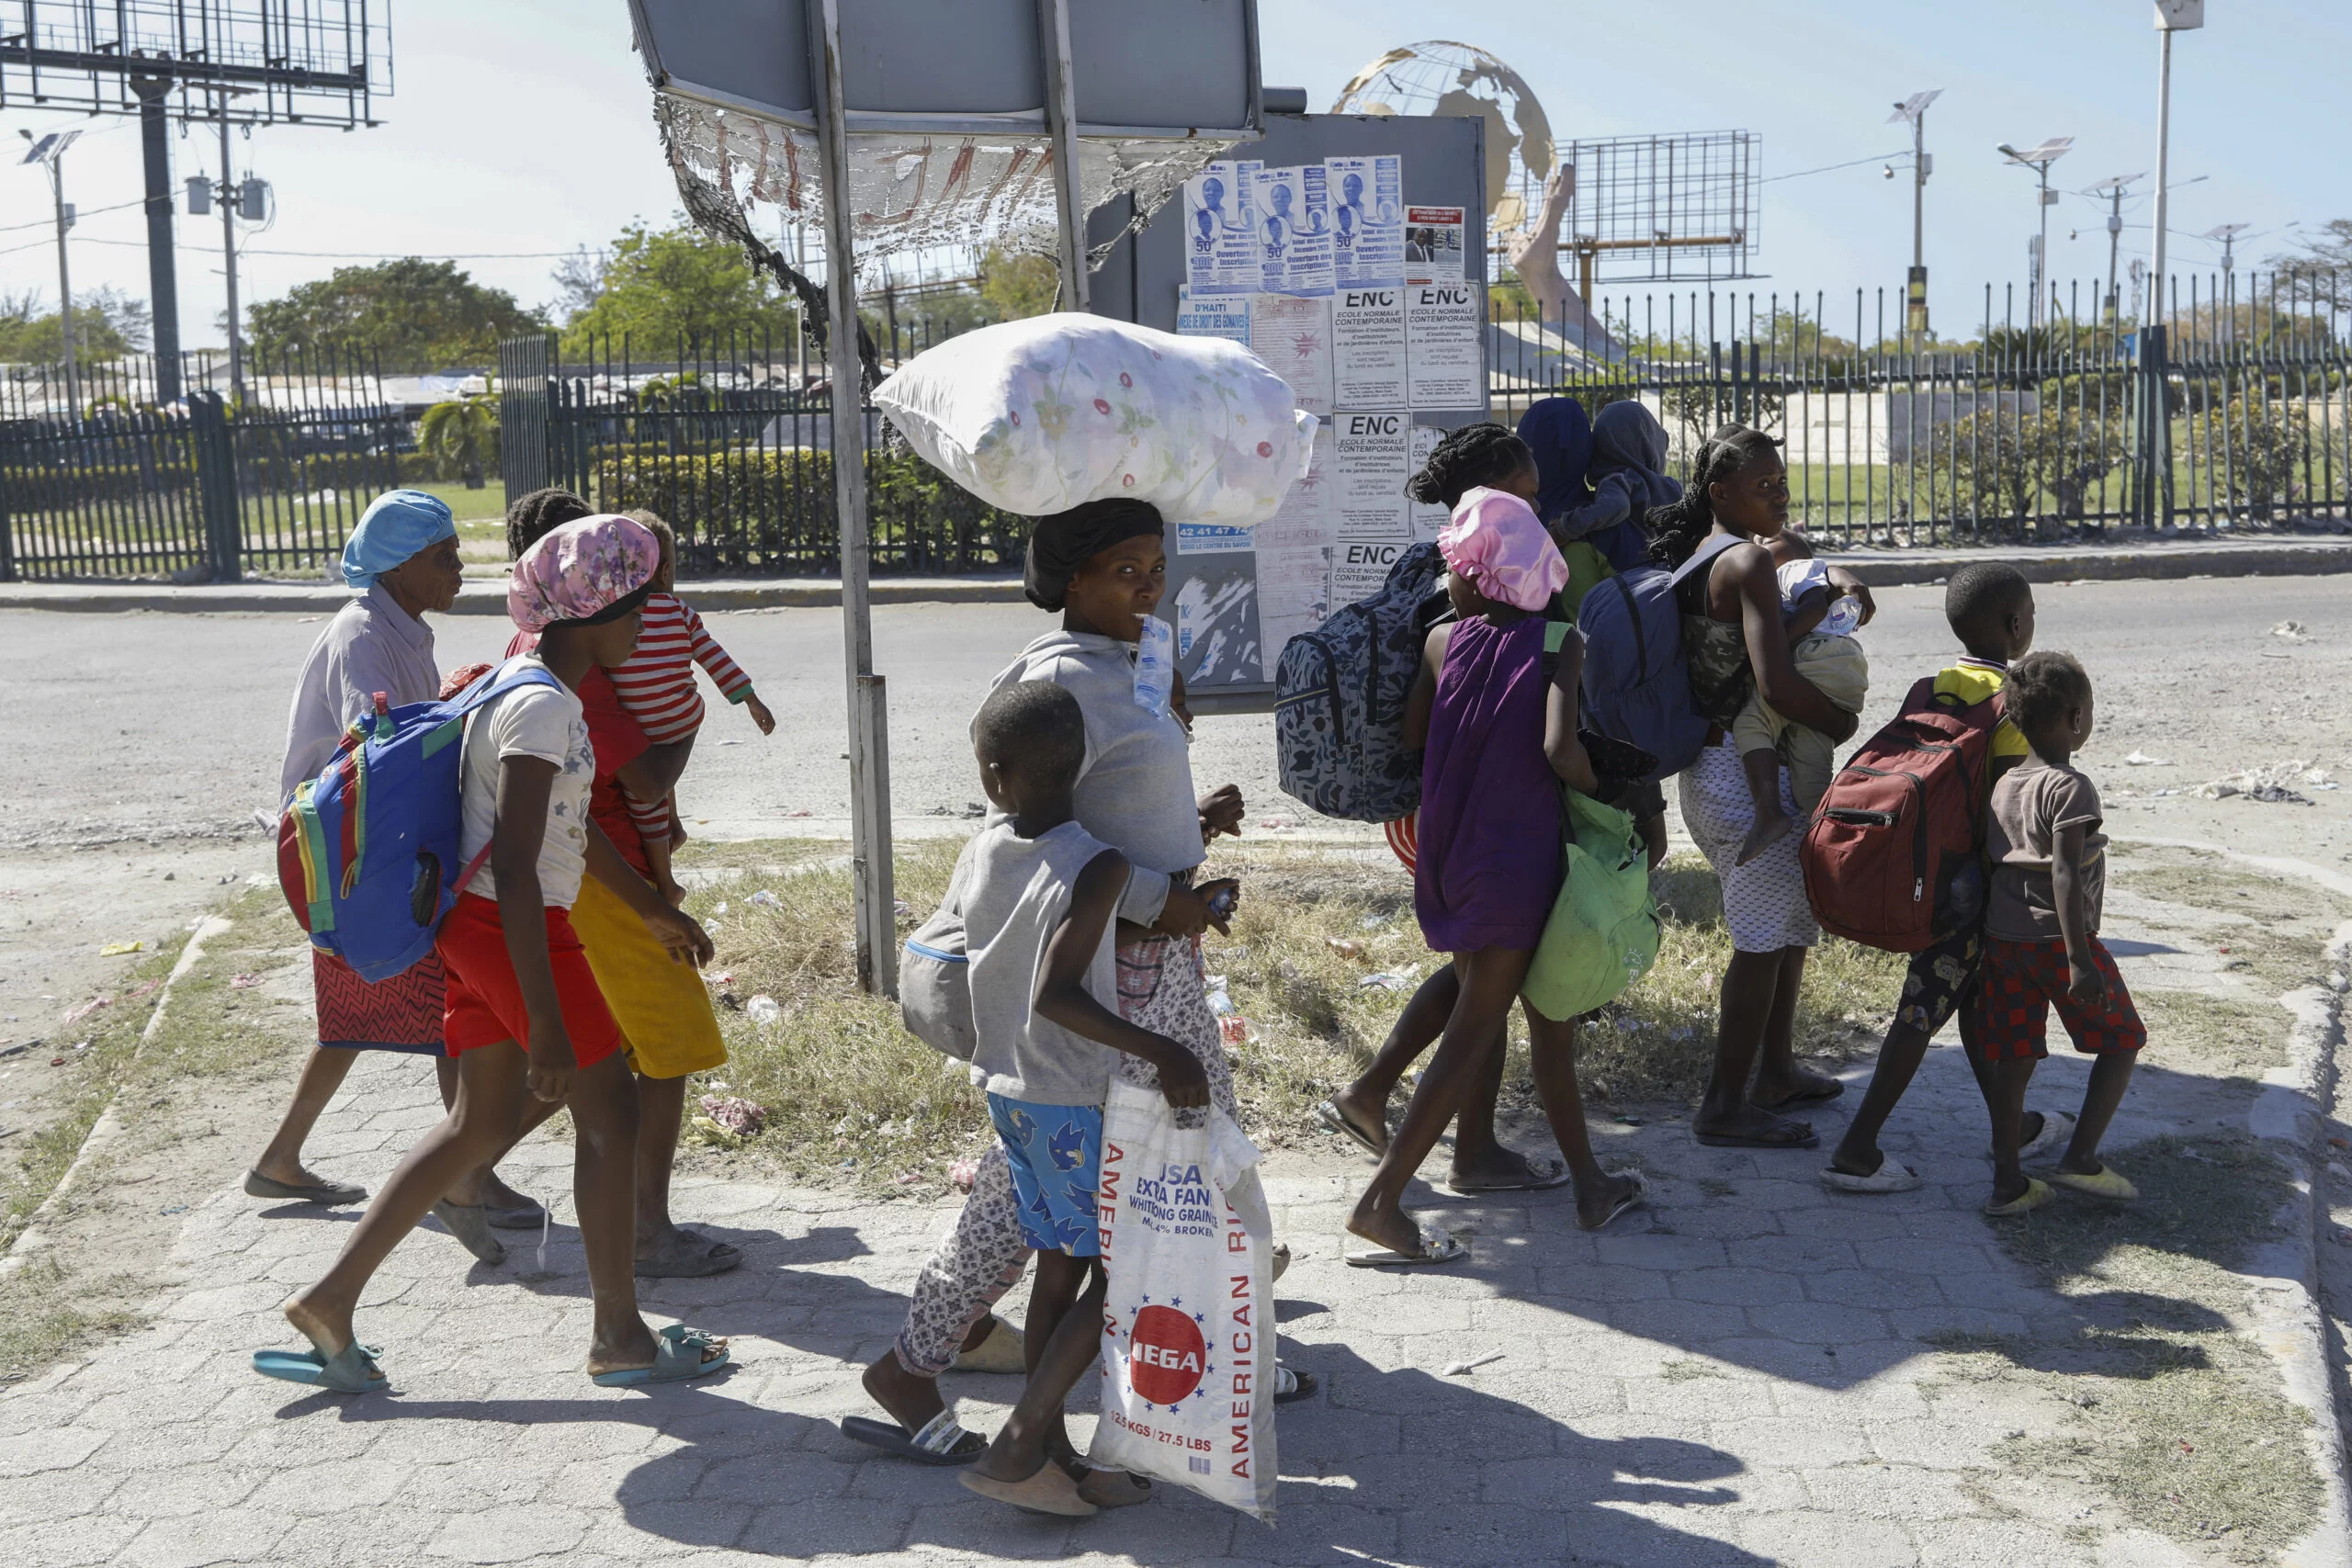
216 485
2151 433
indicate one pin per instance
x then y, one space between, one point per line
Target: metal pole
2040 249
2163 154
1061 121
2114 239
65 288
869 750
228 250
1915 311
163 278
2155 403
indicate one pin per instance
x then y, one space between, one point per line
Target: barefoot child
1829 657
1037 894
1498 739
2042 950
523 1015
1990 610
657 687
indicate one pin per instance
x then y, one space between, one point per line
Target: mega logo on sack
1187 1359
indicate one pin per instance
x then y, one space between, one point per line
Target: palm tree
461 437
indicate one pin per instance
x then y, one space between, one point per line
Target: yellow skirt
661 1004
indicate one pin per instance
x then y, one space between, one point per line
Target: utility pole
50 150
1914 109
2114 190
228 252
2155 409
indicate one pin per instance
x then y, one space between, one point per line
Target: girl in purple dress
1498 735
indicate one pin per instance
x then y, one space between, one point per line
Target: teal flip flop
353 1369
677 1357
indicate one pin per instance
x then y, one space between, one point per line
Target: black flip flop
1330 1116
699 1259
1811 1097
893 1439
1551 1173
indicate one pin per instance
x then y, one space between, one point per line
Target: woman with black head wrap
1102 567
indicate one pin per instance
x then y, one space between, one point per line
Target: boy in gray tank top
1037 894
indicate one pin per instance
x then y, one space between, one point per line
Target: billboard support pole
1061 122
869 749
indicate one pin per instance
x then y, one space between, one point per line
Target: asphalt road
170 726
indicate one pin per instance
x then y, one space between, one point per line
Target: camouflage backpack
1340 696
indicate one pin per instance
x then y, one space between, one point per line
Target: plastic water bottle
1155 666
1842 618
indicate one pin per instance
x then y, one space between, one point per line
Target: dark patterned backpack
1340 696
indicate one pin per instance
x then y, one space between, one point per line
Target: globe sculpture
1454 79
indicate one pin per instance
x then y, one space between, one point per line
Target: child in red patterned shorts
657 687
2042 948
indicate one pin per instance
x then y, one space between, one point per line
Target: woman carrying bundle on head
1734 640
1499 738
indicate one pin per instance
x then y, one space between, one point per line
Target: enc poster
1293 216
1433 244
1221 229
1367 221
1446 361
1368 348
1370 454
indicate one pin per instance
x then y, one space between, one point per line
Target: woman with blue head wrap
400 563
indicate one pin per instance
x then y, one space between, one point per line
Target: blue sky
522 126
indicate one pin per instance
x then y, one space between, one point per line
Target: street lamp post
2114 190
1914 109
50 150
2039 159
2155 412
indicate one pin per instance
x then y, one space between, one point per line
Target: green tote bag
1602 935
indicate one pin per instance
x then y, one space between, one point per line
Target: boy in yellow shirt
1990 609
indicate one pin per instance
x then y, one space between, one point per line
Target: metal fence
729 438
2070 425
2076 424
210 489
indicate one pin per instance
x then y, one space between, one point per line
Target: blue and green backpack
368 851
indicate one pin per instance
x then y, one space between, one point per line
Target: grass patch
850 1095
96 1052
1689 1369
2225 1040
42 1311
2180 1419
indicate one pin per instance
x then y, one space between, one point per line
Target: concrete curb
34 1238
1879 569
2291 1115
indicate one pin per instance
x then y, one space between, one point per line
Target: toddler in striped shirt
657 687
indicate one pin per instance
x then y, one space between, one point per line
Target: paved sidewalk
2211 556
1735 1377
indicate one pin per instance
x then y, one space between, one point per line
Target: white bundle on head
1040 415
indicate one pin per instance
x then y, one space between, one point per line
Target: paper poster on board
1294 556
1368 349
1216 628
1427 518
1293 216
1220 228
1367 220
1371 458
1293 335
1433 244
1213 538
1360 567
1444 356
1212 315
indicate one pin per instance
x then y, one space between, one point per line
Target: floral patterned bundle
1040 415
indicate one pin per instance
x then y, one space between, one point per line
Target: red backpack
1902 818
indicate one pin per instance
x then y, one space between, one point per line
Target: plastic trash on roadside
763 1010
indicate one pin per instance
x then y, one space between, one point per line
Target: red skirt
402 1013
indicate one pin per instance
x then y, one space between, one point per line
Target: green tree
661 286
107 325
462 438
411 314
1018 286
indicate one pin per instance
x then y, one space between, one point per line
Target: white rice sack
1040 415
